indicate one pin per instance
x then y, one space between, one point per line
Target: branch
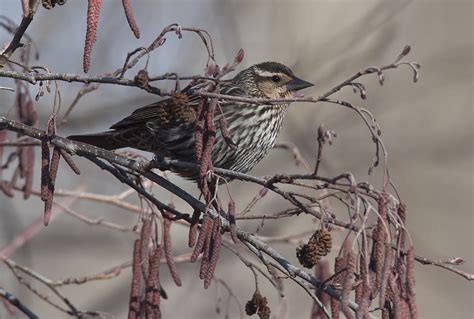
20 31
33 78
139 166
448 265
94 153
18 304
14 267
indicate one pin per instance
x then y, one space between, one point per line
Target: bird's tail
104 140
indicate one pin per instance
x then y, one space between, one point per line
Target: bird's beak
297 84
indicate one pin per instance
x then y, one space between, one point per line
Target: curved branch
93 153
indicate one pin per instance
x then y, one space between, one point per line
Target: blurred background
427 128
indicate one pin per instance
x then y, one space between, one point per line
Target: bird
167 128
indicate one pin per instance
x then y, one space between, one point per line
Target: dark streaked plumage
167 127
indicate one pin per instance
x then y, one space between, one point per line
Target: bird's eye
276 78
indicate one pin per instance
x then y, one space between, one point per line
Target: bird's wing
180 109
141 115
165 114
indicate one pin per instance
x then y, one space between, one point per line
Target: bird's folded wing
170 112
141 115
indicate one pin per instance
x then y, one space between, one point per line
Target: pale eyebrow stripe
268 74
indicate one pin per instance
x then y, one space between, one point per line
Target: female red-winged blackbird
167 127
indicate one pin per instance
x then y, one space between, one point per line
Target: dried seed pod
258 304
181 98
319 245
325 239
264 311
49 4
142 79
251 306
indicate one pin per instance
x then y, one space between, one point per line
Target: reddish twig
145 238
364 302
338 280
350 260
193 228
216 243
27 156
410 281
152 292
204 233
53 171
319 310
70 162
387 266
380 236
168 250
198 139
45 162
233 225
127 7
19 32
93 14
134 303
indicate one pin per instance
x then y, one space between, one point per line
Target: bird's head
271 80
